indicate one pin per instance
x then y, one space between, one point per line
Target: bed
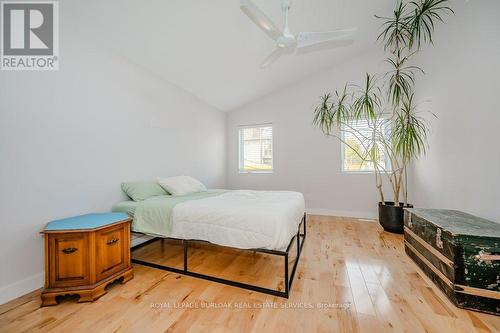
261 221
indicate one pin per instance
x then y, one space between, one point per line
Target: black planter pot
391 217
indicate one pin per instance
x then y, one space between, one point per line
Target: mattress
242 219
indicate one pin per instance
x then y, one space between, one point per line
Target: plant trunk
396 189
405 188
381 193
378 184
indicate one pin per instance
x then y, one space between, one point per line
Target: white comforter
242 219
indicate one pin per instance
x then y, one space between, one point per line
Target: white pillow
181 185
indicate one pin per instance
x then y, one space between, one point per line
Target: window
359 135
256 148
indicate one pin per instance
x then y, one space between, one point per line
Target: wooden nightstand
83 254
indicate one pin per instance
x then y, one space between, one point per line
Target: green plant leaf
395 31
421 21
367 104
409 131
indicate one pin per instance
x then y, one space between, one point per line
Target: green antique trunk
459 252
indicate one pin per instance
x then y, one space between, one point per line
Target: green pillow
139 191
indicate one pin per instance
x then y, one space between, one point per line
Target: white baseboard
342 213
20 288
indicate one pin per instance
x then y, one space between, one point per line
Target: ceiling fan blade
306 39
272 57
259 18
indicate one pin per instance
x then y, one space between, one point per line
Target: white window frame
365 172
241 150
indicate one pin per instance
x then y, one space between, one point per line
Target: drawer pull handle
439 241
69 250
484 256
112 241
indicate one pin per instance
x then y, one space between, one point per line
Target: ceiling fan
286 42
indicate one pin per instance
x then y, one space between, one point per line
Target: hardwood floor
352 277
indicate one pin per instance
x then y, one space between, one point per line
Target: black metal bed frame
186 271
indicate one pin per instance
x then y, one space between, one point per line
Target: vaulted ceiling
211 49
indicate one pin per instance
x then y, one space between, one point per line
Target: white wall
462 168
68 138
304 159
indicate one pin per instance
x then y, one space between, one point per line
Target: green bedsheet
153 216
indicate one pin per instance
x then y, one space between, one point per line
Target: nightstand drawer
112 248
70 253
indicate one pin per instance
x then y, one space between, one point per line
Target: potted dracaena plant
378 122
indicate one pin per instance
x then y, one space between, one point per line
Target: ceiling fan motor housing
286 41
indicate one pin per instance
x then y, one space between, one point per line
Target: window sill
258 172
363 172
